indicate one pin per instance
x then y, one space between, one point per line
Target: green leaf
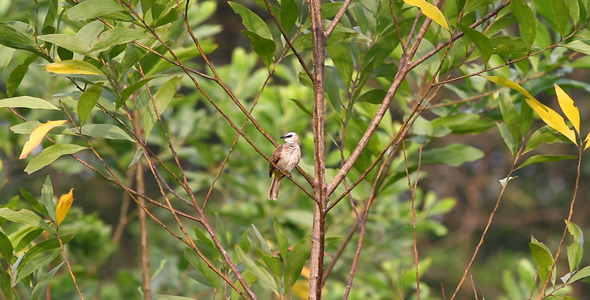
544 158
117 36
131 89
106 131
265 48
341 56
297 259
289 14
90 9
39 256
374 96
583 273
463 123
5 284
5 247
162 98
545 134
543 259
47 198
302 107
507 137
452 155
574 9
574 256
560 14
473 5
262 274
39 288
527 23
35 204
27 102
66 41
25 217
88 100
17 75
579 46
27 239
511 118
50 154
331 85
482 42
262 244
282 240
576 233
252 21
205 274
12 37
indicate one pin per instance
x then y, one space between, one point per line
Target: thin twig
489 223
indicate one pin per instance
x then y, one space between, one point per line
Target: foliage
133 93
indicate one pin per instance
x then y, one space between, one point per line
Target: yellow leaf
63 206
552 118
37 136
567 106
509 83
301 287
586 141
430 11
73 67
548 115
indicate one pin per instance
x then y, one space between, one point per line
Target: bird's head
290 137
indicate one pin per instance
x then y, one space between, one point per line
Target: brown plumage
285 157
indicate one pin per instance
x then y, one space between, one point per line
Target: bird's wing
276 155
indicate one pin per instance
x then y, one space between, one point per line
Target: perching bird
285 157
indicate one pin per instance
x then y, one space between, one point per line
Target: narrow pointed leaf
25 217
567 106
162 98
587 141
583 273
37 136
88 100
73 66
482 42
251 21
527 23
93 8
106 131
66 41
430 11
263 275
39 256
543 259
39 289
50 154
27 102
544 158
17 75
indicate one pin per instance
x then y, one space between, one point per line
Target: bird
285 157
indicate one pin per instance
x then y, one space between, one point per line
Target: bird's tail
273 192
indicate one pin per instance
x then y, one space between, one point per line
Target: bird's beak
283 137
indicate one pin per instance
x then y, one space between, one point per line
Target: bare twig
489 223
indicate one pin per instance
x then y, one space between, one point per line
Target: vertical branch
142 217
319 213
567 221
